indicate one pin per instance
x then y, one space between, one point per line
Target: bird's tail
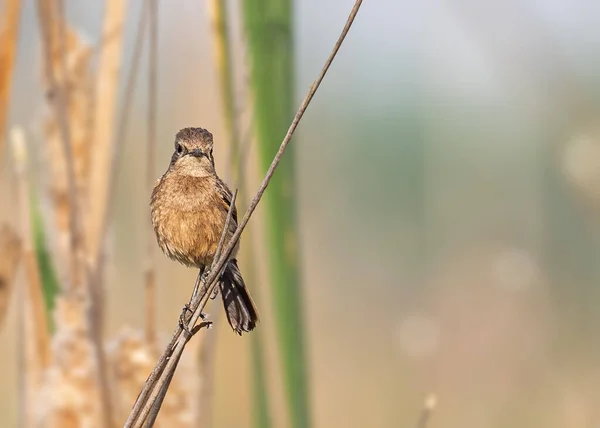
239 307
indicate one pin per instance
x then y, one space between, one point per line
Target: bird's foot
184 318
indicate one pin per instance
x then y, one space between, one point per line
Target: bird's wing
226 196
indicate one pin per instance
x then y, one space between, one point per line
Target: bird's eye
179 149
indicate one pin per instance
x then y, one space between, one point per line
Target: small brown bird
189 209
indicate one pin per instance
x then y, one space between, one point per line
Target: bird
189 207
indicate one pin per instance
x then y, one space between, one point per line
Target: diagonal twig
156 398
151 410
167 361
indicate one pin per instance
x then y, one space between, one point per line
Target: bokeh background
448 190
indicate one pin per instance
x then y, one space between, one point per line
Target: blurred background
447 190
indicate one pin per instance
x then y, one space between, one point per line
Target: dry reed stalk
79 299
109 70
10 254
150 277
9 31
53 36
158 381
77 77
150 399
119 142
34 285
33 316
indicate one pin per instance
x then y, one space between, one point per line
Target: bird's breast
187 225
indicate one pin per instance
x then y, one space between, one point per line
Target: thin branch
152 405
150 289
163 390
168 360
158 404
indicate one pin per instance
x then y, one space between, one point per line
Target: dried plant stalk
82 332
9 30
53 36
150 277
34 289
106 97
10 253
33 317
77 77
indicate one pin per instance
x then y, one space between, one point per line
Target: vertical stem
9 31
35 340
222 54
269 31
150 289
237 159
52 23
109 67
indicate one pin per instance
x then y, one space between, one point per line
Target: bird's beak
197 153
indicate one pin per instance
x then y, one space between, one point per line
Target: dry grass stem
150 288
118 144
10 254
77 77
9 31
150 399
168 360
35 300
79 299
150 411
35 339
53 32
107 84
